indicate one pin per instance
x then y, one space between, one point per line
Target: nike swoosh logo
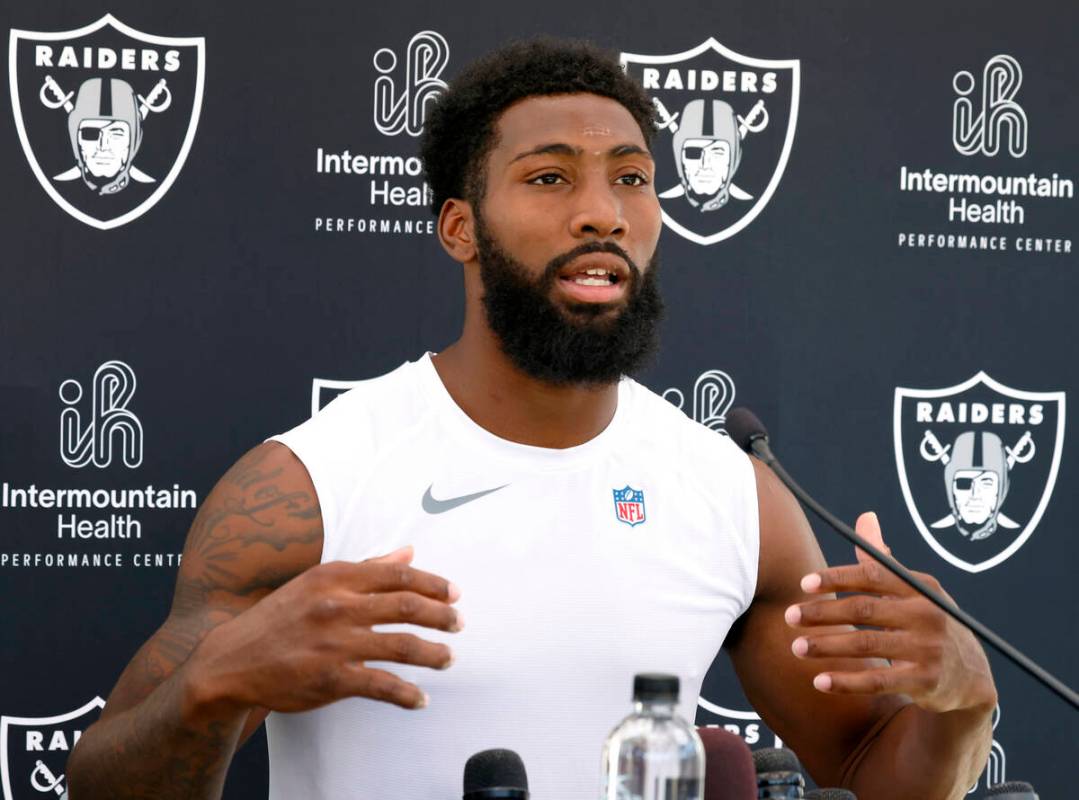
433 506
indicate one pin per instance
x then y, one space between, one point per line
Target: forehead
582 119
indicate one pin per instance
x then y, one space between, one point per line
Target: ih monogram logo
402 110
82 443
713 396
999 112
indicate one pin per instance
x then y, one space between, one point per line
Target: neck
512 405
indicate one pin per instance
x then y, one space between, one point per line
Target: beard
575 343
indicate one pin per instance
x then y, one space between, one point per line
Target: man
493 464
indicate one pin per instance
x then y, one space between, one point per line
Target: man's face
567 234
706 163
104 145
976 493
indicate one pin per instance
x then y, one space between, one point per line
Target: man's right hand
307 643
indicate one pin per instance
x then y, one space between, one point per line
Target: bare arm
256 624
917 727
258 528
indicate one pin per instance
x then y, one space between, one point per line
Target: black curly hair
459 131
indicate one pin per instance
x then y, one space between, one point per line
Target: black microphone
830 794
729 773
779 773
495 775
1012 790
750 434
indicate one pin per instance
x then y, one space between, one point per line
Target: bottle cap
655 686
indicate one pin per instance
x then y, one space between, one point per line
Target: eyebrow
562 149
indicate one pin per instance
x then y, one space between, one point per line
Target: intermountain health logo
105 428
34 751
726 129
389 179
106 115
1001 196
977 464
400 102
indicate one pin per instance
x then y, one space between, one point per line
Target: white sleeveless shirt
567 589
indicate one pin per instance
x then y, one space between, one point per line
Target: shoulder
343 442
666 427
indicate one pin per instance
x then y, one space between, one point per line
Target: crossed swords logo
43 780
159 99
754 122
932 450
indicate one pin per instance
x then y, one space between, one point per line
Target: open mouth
592 277
595 278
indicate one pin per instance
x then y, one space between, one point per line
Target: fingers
865 576
868 527
857 610
410 607
378 684
900 645
388 574
909 680
402 555
402 648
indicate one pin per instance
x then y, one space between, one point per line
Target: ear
456 230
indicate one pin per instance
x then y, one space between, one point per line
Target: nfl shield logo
977 464
34 750
629 505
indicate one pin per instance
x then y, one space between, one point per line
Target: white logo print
994 765
729 116
746 724
402 110
713 396
999 113
34 750
91 441
89 104
977 464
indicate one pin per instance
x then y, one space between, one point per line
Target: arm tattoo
258 529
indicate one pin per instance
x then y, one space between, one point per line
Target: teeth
597 272
591 281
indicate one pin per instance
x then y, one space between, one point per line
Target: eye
633 179
547 179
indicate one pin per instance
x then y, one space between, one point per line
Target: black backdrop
246 277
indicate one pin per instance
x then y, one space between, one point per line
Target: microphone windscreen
776 759
498 768
743 427
830 794
1012 790
728 766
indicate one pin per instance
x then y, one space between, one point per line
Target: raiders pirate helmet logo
726 126
977 464
106 115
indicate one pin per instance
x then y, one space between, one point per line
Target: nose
598 211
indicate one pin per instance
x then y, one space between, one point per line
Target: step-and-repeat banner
214 219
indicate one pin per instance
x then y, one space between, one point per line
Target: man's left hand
934 660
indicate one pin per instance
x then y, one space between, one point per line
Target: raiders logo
977 464
34 751
106 115
726 128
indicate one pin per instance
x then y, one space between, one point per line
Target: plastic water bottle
653 754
